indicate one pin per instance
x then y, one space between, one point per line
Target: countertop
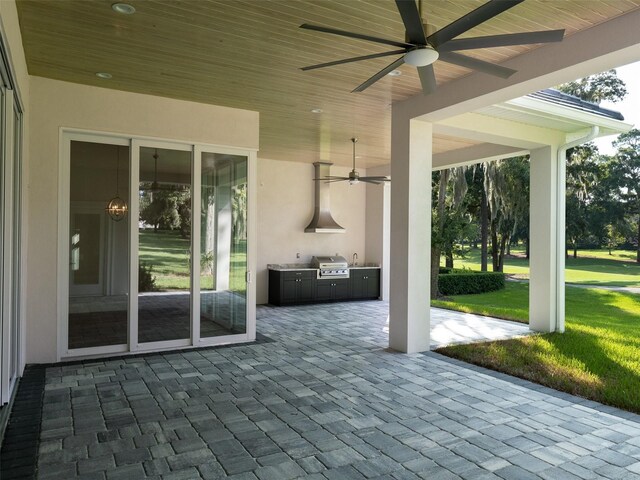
283 267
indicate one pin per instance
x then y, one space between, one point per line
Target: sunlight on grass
592 267
168 254
598 357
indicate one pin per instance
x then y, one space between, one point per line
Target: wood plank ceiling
248 54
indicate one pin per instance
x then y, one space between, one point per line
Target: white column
409 309
378 228
544 232
223 228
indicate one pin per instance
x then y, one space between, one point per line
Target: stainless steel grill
331 267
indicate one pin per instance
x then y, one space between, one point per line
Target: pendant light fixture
117 207
154 185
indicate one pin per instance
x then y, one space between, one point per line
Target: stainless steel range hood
322 221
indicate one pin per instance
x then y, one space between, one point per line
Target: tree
507 190
626 170
446 221
583 175
588 204
596 88
161 208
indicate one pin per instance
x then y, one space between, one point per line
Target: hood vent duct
322 221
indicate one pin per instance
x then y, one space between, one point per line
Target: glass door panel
164 252
98 246
223 245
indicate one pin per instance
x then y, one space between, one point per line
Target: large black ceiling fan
421 49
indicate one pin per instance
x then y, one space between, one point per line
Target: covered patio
195 120
318 396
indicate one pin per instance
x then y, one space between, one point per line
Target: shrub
470 282
146 279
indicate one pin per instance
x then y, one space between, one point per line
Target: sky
629 107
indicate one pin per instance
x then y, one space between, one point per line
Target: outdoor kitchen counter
285 267
298 283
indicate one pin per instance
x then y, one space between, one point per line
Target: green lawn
598 357
592 267
168 254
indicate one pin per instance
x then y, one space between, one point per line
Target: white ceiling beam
485 152
484 128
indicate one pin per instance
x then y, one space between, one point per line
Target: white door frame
66 136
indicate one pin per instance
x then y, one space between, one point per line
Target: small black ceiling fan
423 48
354 177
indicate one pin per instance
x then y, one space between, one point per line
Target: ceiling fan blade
475 64
359 36
427 79
354 59
331 178
412 21
368 180
526 38
383 178
379 75
470 20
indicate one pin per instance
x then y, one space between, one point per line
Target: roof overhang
515 127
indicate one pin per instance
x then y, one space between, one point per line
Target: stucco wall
285 207
54 104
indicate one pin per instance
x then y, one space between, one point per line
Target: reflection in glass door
98 246
164 251
223 245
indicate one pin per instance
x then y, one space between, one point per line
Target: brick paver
326 399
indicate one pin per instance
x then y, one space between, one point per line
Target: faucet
354 258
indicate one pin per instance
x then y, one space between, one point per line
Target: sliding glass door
223 244
169 266
98 245
164 244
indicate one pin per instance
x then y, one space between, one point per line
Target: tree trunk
638 254
508 252
484 230
494 249
575 250
527 248
503 244
436 249
435 272
449 260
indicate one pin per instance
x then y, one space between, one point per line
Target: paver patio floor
324 399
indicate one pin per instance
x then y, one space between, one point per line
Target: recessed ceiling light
316 110
104 75
394 73
123 8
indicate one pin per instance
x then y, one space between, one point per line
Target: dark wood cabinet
290 287
333 289
365 283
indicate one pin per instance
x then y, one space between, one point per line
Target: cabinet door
358 287
341 290
324 289
289 290
305 290
372 284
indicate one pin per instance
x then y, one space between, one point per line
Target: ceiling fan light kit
421 57
422 46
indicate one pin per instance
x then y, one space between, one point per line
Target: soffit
247 54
